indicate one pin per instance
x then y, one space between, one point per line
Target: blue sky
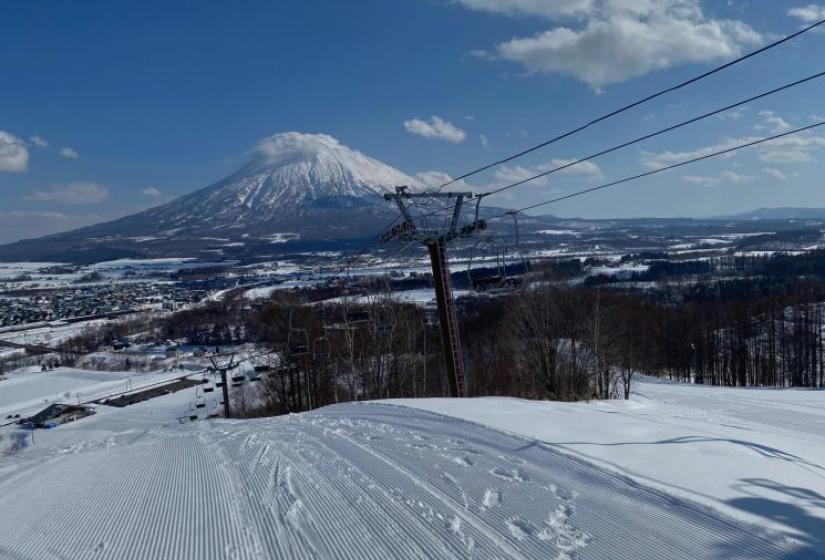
108 107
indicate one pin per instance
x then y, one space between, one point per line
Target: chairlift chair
297 341
518 280
321 348
382 324
488 280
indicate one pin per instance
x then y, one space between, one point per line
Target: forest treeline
556 342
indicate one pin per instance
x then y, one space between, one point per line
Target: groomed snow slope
756 455
347 481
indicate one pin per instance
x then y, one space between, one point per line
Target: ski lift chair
321 348
487 280
523 265
382 324
298 342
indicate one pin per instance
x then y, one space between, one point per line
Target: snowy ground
754 455
50 333
28 391
349 481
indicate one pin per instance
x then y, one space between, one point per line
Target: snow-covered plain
362 480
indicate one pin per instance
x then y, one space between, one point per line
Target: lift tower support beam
436 243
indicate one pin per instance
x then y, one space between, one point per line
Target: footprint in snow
563 493
566 537
463 461
491 499
513 475
519 528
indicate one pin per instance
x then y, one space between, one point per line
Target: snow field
754 455
348 481
29 392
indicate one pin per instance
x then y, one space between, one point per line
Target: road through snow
347 481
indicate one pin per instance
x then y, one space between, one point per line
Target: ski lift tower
223 369
436 241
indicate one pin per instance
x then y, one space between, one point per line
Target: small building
57 414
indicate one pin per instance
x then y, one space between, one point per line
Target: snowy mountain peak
312 160
288 173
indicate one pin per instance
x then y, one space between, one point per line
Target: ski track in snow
349 481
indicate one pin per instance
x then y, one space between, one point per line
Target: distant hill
782 213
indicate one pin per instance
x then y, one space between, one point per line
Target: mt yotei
308 189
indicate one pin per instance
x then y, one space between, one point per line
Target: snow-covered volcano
288 175
297 186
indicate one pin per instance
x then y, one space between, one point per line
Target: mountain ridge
778 213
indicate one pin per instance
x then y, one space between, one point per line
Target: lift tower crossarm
407 230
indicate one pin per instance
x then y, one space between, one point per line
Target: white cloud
69 153
816 118
667 158
774 122
151 191
507 174
78 192
619 39
808 14
435 128
38 141
543 8
734 114
482 138
789 155
14 156
434 179
798 148
25 224
776 173
700 180
587 168
723 177
791 149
